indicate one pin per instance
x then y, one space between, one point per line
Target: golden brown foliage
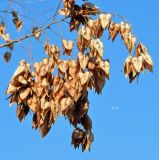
48 94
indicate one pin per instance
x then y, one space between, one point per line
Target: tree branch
32 34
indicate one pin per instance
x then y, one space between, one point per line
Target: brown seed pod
7 56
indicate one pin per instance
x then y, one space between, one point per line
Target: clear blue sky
125 117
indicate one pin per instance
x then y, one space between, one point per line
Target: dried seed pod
6 37
22 111
52 51
81 44
114 30
104 65
129 39
87 140
105 20
7 56
64 12
85 32
99 82
127 65
98 46
73 68
137 63
18 23
96 28
32 103
86 122
68 7
14 14
77 137
24 93
63 66
10 45
2 28
23 67
11 89
68 46
22 80
36 32
83 60
65 105
74 24
84 77
141 50
125 27
90 8
131 68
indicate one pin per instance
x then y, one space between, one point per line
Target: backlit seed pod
67 46
85 32
83 60
98 46
6 37
7 56
137 63
36 32
114 30
141 50
105 20
63 66
18 23
2 28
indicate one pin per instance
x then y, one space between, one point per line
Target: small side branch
32 34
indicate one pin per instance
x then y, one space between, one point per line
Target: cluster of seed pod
60 87
47 95
135 64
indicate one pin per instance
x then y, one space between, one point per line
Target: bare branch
32 34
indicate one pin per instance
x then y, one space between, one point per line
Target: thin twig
32 34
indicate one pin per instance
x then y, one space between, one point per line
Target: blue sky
125 117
